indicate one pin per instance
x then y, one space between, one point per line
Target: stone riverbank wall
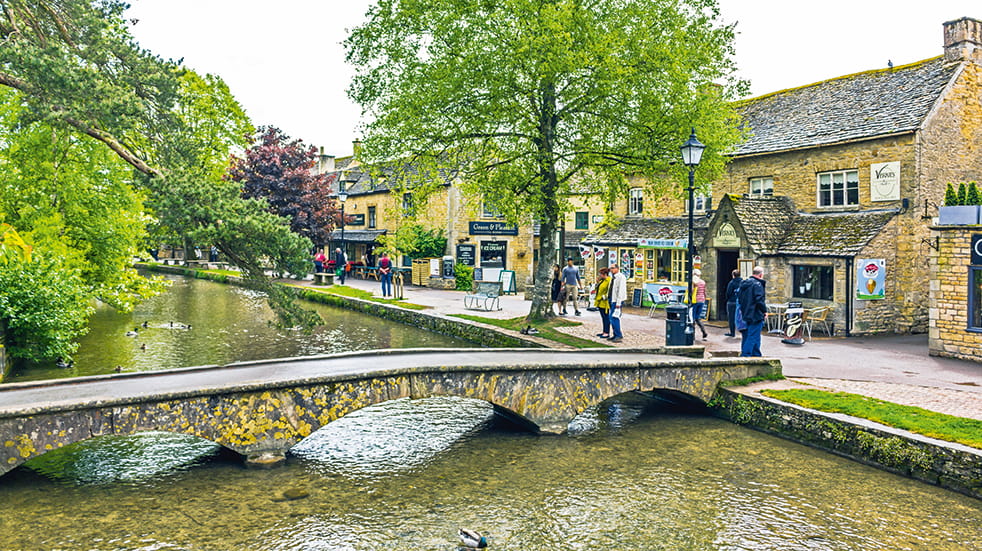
951 466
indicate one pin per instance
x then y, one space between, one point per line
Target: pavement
895 368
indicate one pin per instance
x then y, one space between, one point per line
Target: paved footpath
895 368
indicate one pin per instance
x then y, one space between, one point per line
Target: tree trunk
542 292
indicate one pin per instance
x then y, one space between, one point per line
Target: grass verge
547 330
351 292
909 418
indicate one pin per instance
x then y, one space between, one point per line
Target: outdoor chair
818 316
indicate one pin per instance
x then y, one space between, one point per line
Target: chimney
963 40
356 149
325 163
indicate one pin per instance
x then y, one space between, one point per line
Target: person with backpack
753 310
732 288
385 274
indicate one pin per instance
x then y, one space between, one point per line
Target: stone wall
951 466
948 334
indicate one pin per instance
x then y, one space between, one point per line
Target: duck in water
472 539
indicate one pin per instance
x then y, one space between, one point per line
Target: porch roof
632 229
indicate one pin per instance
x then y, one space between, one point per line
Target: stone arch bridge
262 409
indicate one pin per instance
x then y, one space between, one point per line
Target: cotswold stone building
847 172
956 293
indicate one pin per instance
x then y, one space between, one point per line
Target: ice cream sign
871 279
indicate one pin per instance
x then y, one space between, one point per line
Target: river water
199 322
406 474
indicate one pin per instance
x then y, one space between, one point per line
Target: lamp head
692 150
342 196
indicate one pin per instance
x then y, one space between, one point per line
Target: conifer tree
950 197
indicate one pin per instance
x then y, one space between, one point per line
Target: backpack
738 321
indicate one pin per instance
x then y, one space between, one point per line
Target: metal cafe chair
819 316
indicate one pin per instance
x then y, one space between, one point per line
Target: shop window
371 217
625 260
813 282
582 220
761 187
838 188
493 254
975 298
635 205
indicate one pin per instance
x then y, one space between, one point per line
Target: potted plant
961 207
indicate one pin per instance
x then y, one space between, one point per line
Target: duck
472 539
63 365
143 346
146 324
118 368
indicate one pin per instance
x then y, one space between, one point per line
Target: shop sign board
644 243
726 236
466 254
884 181
492 228
871 279
354 219
977 249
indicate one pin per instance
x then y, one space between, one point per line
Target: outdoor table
775 317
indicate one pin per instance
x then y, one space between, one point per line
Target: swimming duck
131 333
146 324
61 363
472 539
119 368
143 346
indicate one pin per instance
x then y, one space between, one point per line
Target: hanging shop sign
492 228
726 236
871 278
354 219
663 243
884 181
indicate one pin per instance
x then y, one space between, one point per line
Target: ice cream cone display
870 279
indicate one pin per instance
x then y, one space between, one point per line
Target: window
762 187
812 282
488 210
407 204
975 298
493 254
838 188
702 203
635 205
371 217
671 265
582 220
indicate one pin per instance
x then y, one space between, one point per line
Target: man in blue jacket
753 308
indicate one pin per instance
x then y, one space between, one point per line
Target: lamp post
691 155
342 196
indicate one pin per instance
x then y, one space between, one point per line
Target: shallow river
406 474
227 324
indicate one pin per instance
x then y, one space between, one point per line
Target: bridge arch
264 419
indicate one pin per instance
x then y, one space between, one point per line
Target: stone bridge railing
262 409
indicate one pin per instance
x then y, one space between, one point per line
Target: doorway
726 262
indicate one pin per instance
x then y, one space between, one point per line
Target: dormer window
635 206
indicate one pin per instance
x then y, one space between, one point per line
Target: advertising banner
871 278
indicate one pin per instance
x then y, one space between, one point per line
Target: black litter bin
676 320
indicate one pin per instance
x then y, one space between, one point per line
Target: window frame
372 217
974 312
635 202
825 282
845 191
760 182
585 217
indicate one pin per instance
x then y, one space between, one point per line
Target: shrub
464 276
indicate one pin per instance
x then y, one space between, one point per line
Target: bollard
397 286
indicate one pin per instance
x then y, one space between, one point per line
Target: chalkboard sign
507 278
637 298
465 254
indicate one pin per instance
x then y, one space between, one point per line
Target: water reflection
406 474
198 322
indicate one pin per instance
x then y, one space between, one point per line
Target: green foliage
962 195
524 99
950 196
973 197
44 306
415 241
464 276
909 418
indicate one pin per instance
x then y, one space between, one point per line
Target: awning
357 236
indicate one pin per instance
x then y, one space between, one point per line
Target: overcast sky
285 64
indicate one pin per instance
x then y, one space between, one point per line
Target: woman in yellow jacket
603 306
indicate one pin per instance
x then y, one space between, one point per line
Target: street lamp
342 196
691 155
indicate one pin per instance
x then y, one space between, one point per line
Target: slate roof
852 107
833 234
765 220
632 229
357 236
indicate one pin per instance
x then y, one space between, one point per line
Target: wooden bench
484 297
324 278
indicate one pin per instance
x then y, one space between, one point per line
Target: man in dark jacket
732 288
753 308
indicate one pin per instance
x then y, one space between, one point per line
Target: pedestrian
753 309
213 254
319 260
340 263
698 307
571 284
557 289
616 295
385 274
601 302
732 288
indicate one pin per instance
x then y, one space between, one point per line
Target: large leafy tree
281 171
526 96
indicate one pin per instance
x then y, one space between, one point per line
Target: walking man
732 288
753 308
616 297
340 263
572 283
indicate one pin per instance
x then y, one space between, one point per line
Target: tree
526 96
962 195
280 170
416 241
950 196
973 197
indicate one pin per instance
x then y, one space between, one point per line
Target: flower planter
962 215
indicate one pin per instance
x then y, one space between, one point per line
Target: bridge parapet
262 417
